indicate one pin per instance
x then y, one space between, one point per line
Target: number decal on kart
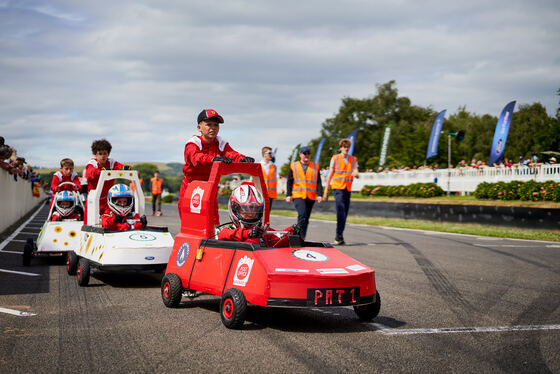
308 255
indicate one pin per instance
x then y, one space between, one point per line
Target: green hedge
517 190
168 198
411 190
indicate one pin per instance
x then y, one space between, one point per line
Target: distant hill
172 168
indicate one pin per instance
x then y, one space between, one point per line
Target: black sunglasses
306 153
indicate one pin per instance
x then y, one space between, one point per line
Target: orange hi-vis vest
271 182
156 185
342 175
305 184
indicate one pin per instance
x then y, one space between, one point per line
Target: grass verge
457 228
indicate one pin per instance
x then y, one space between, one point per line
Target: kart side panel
60 236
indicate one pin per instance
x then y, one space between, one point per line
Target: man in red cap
201 150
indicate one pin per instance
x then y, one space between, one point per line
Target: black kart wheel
83 272
71 263
233 308
28 252
368 312
171 290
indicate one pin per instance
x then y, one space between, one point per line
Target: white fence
460 179
16 199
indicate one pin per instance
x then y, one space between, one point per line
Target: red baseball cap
209 113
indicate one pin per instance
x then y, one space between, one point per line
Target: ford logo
149 258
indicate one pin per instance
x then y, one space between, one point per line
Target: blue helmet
64 203
115 193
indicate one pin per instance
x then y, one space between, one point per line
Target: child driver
120 216
246 208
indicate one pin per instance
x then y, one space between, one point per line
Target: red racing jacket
199 155
132 221
58 178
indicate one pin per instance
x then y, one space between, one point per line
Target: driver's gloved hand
119 218
224 159
247 159
256 232
126 167
296 229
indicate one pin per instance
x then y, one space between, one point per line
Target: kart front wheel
71 263
171 290
233 308
83 272
27 252
368 312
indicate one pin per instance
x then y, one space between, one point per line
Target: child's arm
231 153
109 221
92 173
234 234
196 156
77 182
54 183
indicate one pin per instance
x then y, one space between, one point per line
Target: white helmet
118 191
246 206
64 196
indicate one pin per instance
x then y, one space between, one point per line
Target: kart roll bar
93 215
200 197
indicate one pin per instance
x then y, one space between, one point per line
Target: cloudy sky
138 73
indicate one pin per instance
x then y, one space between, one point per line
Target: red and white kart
56 238
300 274
132 250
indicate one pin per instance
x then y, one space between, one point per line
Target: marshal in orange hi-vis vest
271 181
305 184
342 175
156 185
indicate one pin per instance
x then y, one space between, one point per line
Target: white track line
455 330
16 312
12 252
9 238
20 273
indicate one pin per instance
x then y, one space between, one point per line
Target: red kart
298 274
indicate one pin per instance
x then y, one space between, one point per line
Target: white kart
132 250
56 238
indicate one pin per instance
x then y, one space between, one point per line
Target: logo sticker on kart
142 237
241 275
182 254
308 255
196 200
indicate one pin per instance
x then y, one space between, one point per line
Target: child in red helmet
246 209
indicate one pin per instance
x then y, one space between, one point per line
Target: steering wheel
218 228
67 183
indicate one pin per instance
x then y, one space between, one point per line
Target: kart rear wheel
171 290
368 312
71 263
27 252
233 308
83 272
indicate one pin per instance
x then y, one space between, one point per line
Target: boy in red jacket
65 174
201 150
246 208
119 217
101 150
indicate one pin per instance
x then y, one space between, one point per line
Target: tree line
531 130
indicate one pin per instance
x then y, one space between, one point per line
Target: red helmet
246 206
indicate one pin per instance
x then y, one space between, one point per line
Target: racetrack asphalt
450 303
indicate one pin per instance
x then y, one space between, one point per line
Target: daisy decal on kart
308 255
